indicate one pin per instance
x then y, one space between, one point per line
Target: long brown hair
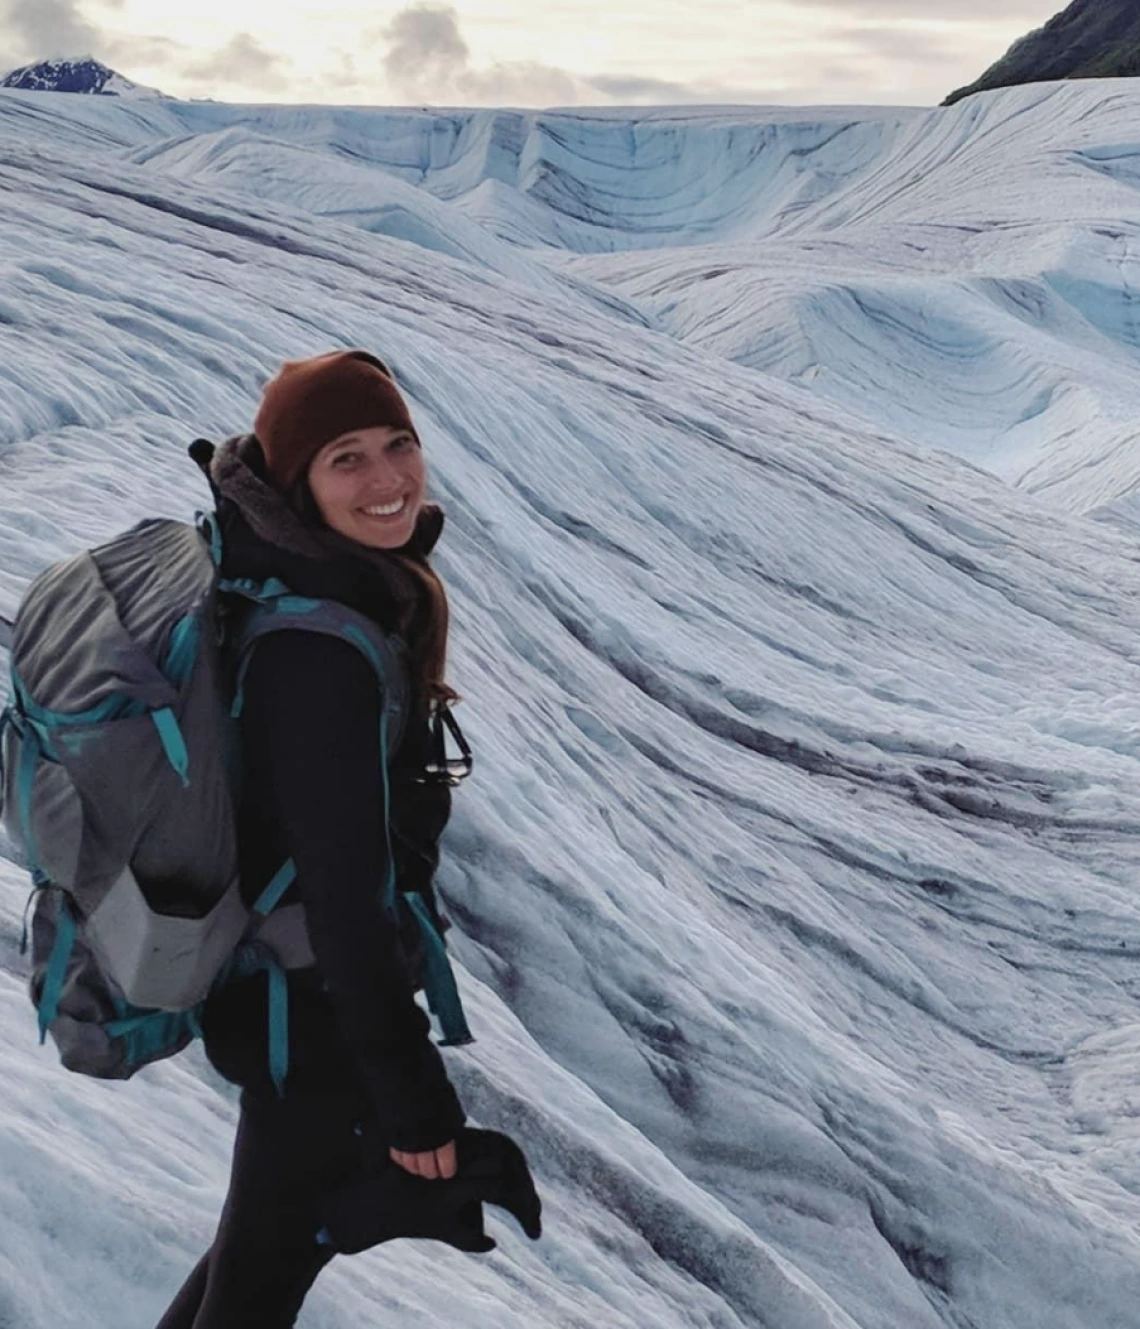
428 631
426 626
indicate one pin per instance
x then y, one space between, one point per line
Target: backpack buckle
443 768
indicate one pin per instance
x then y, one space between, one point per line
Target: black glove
491 1169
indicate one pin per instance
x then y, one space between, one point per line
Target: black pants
265 1255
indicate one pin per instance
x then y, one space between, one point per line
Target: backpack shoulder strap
277 609
385 652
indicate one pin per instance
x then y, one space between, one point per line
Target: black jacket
312 790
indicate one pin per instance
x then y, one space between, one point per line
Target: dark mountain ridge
1090 39
83 74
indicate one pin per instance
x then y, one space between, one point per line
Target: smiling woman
350 784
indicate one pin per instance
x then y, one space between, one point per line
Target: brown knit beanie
311 402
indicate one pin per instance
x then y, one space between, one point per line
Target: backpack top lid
92 631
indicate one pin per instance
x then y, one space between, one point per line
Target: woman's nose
382 474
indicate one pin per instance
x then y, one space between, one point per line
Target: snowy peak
80 75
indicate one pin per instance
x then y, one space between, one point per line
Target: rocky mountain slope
1090 39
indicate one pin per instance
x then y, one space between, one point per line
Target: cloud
429 61
244 61
34 30
142 50
423 39
42 29
522 83
659 91
905 46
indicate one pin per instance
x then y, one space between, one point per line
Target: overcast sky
531 52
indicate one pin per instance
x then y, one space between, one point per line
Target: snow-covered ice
795 894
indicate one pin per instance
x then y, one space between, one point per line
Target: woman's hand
436 1164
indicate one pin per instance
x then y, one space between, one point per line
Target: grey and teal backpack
118 781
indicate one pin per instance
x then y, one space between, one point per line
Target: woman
328 496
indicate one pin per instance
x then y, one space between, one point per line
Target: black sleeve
312 709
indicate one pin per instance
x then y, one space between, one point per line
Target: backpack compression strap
253 957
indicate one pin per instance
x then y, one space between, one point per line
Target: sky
513 52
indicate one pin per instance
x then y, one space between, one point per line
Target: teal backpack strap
254 957
147 1034
278 1025
280 882
173 744
66 930
282 879
440 986
30 754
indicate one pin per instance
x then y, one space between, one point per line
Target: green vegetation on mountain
1090 39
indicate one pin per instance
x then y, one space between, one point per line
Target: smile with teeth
385 509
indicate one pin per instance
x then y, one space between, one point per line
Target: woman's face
370 485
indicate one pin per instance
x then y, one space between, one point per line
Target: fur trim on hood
238 473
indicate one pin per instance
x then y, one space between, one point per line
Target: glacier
791 478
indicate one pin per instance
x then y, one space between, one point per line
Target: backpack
118 781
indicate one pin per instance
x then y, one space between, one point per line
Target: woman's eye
345 458
403 443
